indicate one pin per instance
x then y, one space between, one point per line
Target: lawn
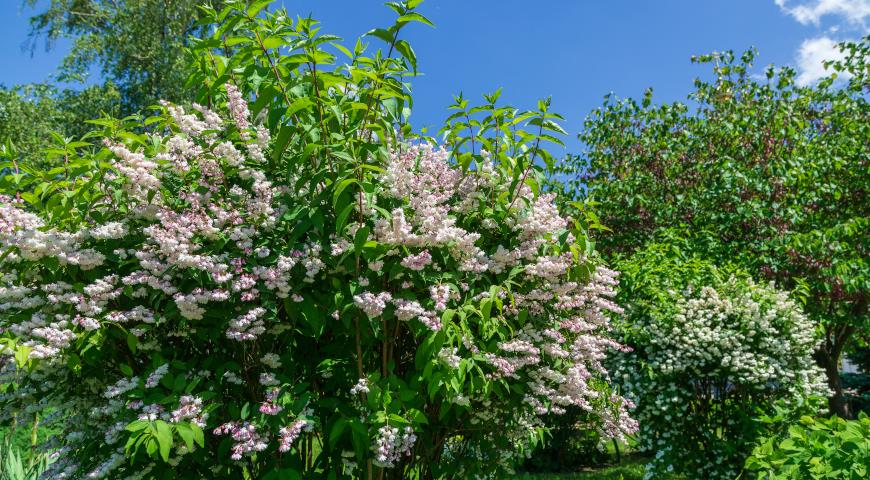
630 469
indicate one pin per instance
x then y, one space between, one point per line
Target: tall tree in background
763 173
29 114
137 44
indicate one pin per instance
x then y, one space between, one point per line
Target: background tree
762 173
29 114
137 44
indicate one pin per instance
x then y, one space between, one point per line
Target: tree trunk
828 357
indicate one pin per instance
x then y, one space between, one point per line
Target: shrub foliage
815 448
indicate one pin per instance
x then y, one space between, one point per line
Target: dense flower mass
707 359
295 289
182 246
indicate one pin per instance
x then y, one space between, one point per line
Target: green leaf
164 438
198 435
337 429
380 33
186 434
362 234
343 49
137 426
132 342
405 49
342 218
447 316
486 309
151 447
22 355
256 7
299 104
282 140
414 17
339 189
273 42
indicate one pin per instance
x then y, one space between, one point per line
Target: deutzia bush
281 284
713 350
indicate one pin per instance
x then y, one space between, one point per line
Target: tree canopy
760 172
137 44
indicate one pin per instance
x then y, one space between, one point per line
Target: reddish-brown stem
528 167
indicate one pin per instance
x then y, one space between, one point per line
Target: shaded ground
629 469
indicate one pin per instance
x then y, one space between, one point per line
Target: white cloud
810 56
811 11
847 18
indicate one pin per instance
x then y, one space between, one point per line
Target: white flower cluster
155 376
757 337
362 386
700 371
391 445
248 326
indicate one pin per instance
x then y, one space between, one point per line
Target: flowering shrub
712 350
286 285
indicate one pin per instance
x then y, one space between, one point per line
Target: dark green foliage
570 446
631 468
857 390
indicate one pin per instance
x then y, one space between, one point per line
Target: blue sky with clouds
573 50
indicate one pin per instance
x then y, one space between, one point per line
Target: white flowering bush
712 352
281 285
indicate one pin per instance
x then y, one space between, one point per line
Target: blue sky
573 50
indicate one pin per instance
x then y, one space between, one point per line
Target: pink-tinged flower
190 409
417 262
248 326
245 437
390 445
270 405
440 295
372 304
238 107
288 435
362 386
408 309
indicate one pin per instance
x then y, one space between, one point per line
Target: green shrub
815 448
713 350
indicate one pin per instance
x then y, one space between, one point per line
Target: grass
630 469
